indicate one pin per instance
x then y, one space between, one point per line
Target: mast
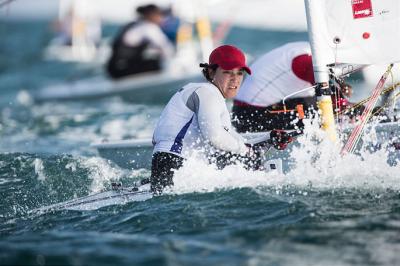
204 30
186 50
316 28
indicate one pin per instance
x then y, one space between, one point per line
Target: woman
197 119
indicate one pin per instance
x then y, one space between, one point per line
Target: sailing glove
280 139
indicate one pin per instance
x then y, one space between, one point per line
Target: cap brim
233 65
247 69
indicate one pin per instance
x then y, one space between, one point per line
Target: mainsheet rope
362 102
386 104
336 91
358 130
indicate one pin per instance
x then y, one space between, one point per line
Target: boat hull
102 199
156 87
130 154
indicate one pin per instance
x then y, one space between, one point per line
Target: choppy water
334 212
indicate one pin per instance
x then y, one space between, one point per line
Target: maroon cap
228 57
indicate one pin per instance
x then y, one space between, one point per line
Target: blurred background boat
81 42
78 34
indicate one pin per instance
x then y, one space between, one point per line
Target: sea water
327 210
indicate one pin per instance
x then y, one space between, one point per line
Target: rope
294 93
358 130
362 102
336 91
386 104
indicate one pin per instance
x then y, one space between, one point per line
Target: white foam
137 125
198 176
23 97
77 125
39 169
71 166
9 180
101 172
317 164
140 124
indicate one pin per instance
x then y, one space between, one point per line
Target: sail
356 31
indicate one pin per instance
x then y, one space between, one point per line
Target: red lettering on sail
361 8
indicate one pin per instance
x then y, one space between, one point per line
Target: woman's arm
211 125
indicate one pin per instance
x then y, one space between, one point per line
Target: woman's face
228 81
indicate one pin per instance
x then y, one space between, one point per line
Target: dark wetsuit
127 60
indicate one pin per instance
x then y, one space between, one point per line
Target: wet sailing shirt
283 71
196 118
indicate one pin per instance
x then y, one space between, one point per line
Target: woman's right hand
280 139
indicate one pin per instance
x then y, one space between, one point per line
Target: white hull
155 87
103 199
78 54
131 153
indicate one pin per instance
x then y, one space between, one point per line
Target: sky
269 14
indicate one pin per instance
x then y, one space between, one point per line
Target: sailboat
356 32
79 34
155 86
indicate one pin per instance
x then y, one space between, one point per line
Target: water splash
315 163
100 172
38 164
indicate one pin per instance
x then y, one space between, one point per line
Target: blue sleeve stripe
178 143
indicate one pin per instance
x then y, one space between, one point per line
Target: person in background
170 25
140 46
286 71
197 119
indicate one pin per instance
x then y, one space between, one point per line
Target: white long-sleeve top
147 31
196 118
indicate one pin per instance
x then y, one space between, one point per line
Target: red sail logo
361 8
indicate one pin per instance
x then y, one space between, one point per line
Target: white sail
356 31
